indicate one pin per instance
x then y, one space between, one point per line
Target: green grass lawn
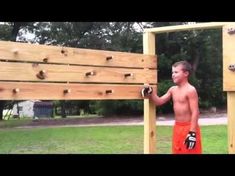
14 123
100 140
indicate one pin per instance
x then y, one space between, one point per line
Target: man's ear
187 73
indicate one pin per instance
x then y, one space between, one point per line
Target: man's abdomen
182 112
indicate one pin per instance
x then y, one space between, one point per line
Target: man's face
178 74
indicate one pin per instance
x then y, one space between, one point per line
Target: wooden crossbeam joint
45 60
128 74
109 91
109 58
41 74
64 52
231 31
91 73
15 51
16 90
66 91
231 67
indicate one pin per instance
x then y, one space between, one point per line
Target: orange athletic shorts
180 131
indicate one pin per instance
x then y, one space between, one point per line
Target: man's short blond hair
186 66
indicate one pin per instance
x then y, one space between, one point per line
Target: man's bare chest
180 97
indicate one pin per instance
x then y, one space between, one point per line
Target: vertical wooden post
149 107
231 121
229 80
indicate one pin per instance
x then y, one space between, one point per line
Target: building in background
32 109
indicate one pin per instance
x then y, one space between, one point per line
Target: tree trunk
15 30
196 59
63 107
2 103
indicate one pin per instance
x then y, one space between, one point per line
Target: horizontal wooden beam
65 55
185 27
66 73
57 91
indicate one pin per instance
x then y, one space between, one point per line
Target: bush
119 107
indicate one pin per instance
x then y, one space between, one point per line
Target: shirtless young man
186 132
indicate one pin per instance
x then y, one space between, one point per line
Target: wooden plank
149 127
231 121
177 28
55 54
59 91
149 107
65 73
228 58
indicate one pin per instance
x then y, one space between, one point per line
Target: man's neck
182 83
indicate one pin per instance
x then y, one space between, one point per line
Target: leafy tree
202 48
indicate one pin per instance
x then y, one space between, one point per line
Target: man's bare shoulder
172 87
191 90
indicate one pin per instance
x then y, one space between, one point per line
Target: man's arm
193 105
190 140
161 100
